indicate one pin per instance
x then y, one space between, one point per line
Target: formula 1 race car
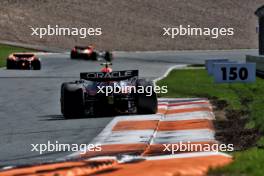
89 53
26 61
108 93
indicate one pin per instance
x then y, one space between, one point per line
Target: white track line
168 72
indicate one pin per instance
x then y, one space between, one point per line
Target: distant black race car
26 61
83 98
89 53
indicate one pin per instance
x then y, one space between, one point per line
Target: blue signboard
234 72
209 64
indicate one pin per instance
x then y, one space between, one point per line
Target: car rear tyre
37 65
94 56
72 100
108 56
146 103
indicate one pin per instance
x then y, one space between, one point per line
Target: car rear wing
110 76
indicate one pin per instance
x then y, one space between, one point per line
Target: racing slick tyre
73 55
10 64
72 100
36 65
94 56
108 56
146 103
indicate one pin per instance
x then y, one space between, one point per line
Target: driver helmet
106 69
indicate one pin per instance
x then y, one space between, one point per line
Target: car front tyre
10 64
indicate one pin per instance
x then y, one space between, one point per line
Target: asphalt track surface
30 108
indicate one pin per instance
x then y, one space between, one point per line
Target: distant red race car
24 61
86 52
89 53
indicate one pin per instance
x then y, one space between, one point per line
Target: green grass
5 50
249 162
250 97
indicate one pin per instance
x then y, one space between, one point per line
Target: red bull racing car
89 53
107 93
26 61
